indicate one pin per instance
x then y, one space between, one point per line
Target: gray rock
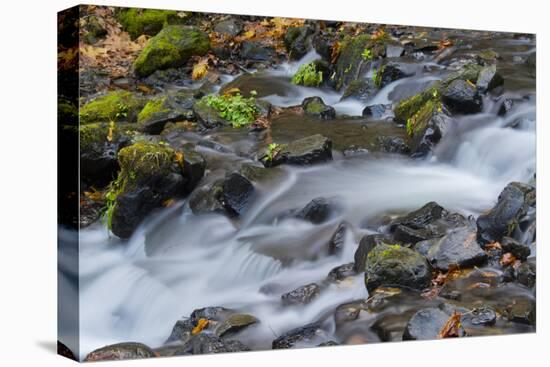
461 97
426 324
306 151
301 295
316 107
119 352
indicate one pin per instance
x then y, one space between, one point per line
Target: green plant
238 110
272 150
308 75
377 76
367 54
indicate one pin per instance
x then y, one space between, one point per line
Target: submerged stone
120 351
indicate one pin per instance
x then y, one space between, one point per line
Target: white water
209 260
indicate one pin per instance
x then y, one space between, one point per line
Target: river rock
336 243
317 210
316 107
521 310
341 272
301 295
526 273
484 316
208 343
506 106
392 144
234 323
207 116
488 79
349 311
376 111
361 89
171 47
513 203
421 217
297 41
458 248
119 352
391 72
426 137
166 108
256 51
366 244
231 27
149 175
394 50
396 266
306 151
462 97
307 335
181 330
426 324
520 250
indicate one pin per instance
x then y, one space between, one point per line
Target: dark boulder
367 243
512 205
361 89
506 106
316 107
489 79
392 144
376 111
526 274
336 243
521 310
341 272
391 72
256 51
424 140
317 211
297 41
234 324
396 266
181 330
520 250
307 335
426 324
462 97
485 316
208 343
207 116
119 352
231 27
419 218
301 295
306 151
164 109
349 311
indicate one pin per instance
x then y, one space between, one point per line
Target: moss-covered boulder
171 47
146 21
297 40
118 106
166 108
302 152
396 266
99 147
150 174
316 107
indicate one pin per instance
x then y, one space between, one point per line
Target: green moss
308 75
273 150
113 106
153 107
314 108
145 21
367 54
419 120
238 110
94 133
171 47
377 76
407 108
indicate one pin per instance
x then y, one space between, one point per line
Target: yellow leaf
111 129
200 69
249 34
201 325
178 157
231 91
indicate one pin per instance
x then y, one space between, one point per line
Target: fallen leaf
451 327
200 68
201 325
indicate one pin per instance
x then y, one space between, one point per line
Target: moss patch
238 110
308 75
146 21
113 106
171 47
152 108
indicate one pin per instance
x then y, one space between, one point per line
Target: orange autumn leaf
444 44
451 327
201 325
200 69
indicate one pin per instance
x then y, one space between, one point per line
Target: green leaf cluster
238 110
308 75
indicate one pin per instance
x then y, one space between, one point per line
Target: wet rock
302 295
306 151
171 47
316 107
396 266
526 274
520 250
462 97
234 323
119 352
149 175
230 195
231 27
487 57
256 51
215 313
459 248
336 243
361 89
394 50
194 166
342 272
317 211
521 310
117 106
420 218
426 324
207 344
296 41
323 43
167 108
489 79
376 111
181 330
426 137
98 153
259 82
513 202
506 106
349 311
485 316
354 150
366 244
391 72
307 335
392 144
330 343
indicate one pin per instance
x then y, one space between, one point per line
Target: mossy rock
316 107
207 115
166 108
396 266
146 21
150 174
172 47
118 106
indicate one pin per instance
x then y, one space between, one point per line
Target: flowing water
177 262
